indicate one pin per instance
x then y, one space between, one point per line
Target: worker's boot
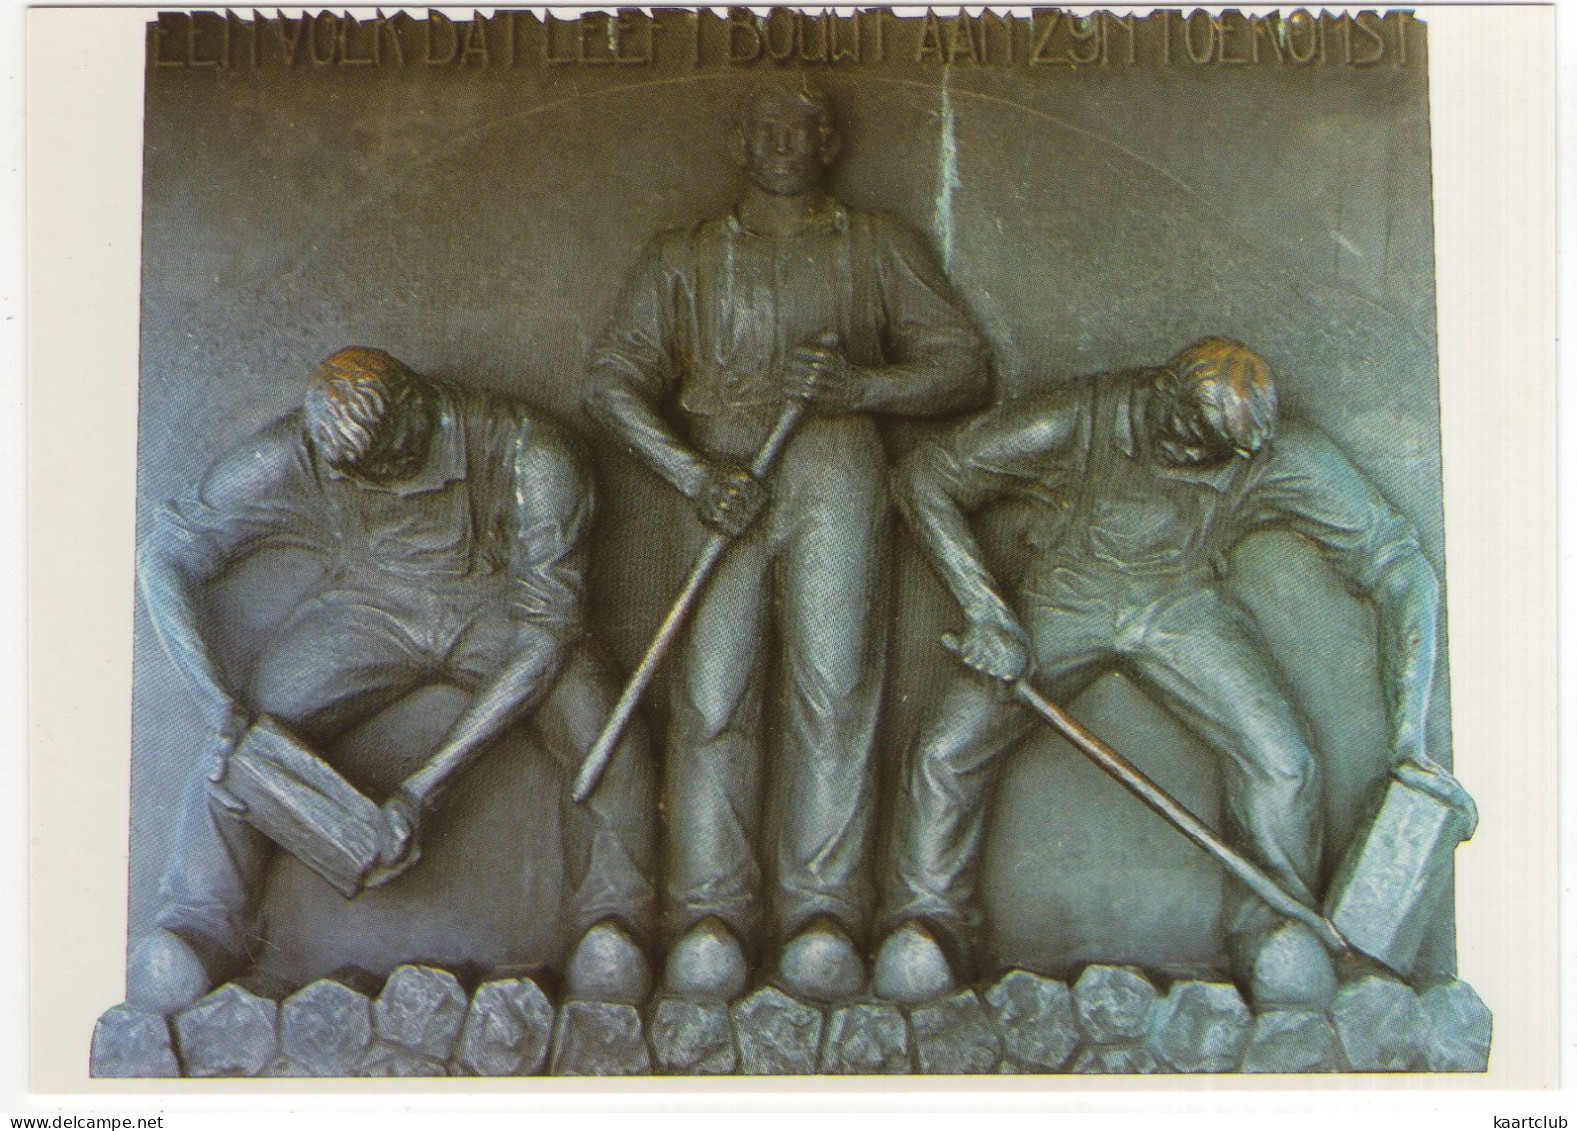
1284 967
164 973
821 963
911 967
607 966
707 964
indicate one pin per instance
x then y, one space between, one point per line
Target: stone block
955 1036
778 1035
130 1043
397 1060
1376 1021
1389 888
693 1038
231 1032
1131 1058
421 1008
865 1040
1201 1027
1036 1019
507 1030
1290 1040
599 1039
1454 1029
1113 1003
326 1029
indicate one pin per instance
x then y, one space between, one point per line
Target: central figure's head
1220 402
785 140
367 413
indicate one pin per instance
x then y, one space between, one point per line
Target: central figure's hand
819 374
731 499
996 646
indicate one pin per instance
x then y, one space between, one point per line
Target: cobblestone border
1113 1019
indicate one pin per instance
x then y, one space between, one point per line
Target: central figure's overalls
707 321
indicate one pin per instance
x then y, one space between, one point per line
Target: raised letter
742 26
441 22
1223 31
1084 30
790 22
961 39
1368 24
841 53
293 42
930 39
161 37
1127 24
1041 54
475 41
1209 54
549 23
315 38
1289 27
346 26
625 24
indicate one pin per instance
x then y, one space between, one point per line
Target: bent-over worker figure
791 295
454 525
1163 472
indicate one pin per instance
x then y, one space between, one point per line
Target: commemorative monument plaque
786 541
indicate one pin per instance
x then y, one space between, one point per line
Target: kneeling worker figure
1163 472
453 526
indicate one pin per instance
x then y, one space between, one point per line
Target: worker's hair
1234 382
800 95
353 391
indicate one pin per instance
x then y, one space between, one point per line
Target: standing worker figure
791 295
455 528
1163 472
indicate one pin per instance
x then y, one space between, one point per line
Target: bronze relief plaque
788 541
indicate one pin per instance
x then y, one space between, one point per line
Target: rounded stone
1036 1019
421 1008
1377 1021
600 1039
130 1042
1201 1027
1455 1028
326 1028
231 1032
693 1038
777 1034
1113 1003
1291 1040
507 1030
865 1040
954 1036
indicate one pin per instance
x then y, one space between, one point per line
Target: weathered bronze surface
741 266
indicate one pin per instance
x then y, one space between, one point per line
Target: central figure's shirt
712 311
